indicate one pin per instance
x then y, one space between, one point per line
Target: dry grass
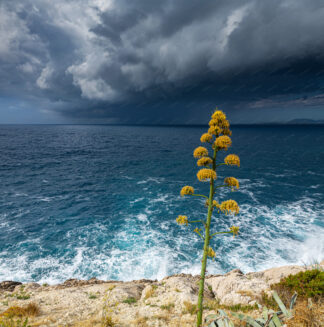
162 316
149 293
308 315
30 310
108 321
189 308
89 323
141 321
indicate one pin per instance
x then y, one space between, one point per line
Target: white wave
152 179
147 246
142 217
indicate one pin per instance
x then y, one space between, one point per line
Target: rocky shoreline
168 302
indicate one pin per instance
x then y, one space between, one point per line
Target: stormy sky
161 62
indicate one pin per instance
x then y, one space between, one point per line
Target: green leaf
211 317
293 301
276 321
281 305
248 319
222 313
265 313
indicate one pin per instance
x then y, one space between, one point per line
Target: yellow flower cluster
211 253
219 119
219 115
187 190
182 220
215 130
223 142
206 137
200 152
213 122
227 131
235 230
204 161
205 174
215 203
232 160
229 206
232 181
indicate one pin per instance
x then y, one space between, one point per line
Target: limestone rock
235 287
9 285
273 275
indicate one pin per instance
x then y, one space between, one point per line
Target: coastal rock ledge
168 302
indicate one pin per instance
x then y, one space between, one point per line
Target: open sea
82 201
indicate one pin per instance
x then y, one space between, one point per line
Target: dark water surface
84 201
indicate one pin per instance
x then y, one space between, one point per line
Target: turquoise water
85 201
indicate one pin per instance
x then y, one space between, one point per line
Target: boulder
8 285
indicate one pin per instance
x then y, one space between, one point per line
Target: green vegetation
168 306
268 318
307 284
215 305
130 300
10 322
92 296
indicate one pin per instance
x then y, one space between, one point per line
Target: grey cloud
98 58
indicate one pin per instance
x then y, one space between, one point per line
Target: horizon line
167 125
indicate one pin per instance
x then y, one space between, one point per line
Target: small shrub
130 300
307 284
107 321
92 296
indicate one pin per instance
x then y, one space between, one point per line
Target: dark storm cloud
154 61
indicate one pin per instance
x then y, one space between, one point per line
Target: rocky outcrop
236 287
8 285
168 302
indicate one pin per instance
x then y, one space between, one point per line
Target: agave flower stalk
218 137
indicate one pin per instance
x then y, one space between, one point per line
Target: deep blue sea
101 201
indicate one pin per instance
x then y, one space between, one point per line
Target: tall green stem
206 246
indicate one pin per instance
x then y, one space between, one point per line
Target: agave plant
218 139
269 318
220 320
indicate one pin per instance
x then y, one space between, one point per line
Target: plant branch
220 233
